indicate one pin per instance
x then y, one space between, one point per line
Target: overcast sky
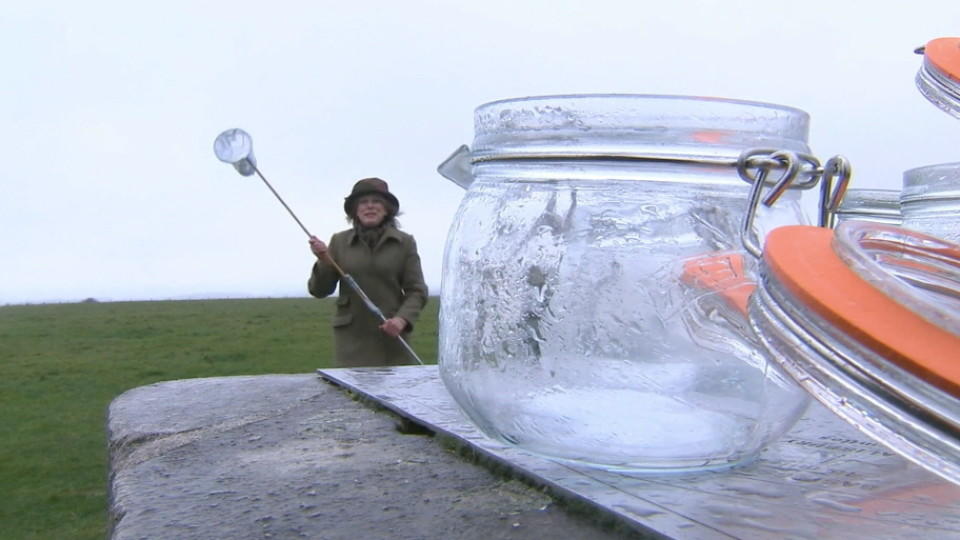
110 188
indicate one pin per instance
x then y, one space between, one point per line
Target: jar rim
937 181
628 125
953 166
643 97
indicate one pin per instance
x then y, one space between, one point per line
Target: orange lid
803 260
944 54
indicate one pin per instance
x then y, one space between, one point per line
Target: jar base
651 433
666 468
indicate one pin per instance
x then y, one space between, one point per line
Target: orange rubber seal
803 260
944 54
721 273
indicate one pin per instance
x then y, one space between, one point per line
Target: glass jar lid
867 319
939 76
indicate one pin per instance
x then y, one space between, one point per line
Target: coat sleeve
415 292
323 278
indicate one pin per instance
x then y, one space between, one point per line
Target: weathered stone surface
290 456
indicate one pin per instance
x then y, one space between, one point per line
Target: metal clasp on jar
797 171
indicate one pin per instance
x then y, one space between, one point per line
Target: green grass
64 363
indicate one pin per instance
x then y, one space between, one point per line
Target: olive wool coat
390 274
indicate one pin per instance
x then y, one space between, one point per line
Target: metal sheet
823 479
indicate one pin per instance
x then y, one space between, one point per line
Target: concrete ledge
290 456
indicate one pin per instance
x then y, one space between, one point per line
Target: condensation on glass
593 304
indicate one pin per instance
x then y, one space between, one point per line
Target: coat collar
388 233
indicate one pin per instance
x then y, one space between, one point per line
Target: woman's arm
323 277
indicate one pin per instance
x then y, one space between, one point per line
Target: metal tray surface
821 480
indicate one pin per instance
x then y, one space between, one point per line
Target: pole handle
373 308
340 272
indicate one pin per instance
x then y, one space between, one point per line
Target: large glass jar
591 305
930 200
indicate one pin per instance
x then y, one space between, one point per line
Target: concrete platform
293 456
821 480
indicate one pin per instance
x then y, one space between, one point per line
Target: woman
385 264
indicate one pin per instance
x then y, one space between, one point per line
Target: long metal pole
277 195
372 307
343 275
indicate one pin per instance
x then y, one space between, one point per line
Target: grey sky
110 109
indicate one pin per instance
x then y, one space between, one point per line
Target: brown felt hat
369 186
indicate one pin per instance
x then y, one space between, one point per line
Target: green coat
390 274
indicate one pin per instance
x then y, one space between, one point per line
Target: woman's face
370 210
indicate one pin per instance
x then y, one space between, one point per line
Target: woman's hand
318 247
394 326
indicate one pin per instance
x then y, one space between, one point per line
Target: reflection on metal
823 479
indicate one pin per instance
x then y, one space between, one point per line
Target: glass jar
930 201
592 303
873 205
939 75
867 319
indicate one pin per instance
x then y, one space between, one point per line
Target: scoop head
235 146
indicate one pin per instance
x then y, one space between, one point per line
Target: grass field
64 363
